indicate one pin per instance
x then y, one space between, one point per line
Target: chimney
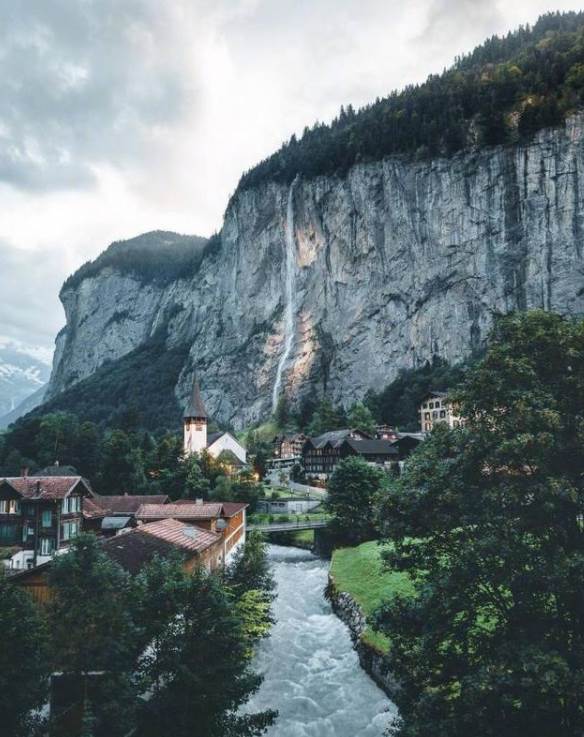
24 471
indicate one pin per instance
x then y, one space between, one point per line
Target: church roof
195 407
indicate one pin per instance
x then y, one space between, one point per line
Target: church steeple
195 408
195 422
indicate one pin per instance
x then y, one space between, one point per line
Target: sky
122 116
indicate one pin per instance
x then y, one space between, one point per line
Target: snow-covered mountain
21 374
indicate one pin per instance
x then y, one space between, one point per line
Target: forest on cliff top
504 91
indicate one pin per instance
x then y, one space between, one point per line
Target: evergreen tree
361 418
487 519
250 568
196 484
122 469
352 491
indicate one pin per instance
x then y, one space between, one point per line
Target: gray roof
114 523
372 447
195 407
334 437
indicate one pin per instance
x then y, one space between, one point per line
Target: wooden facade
40 515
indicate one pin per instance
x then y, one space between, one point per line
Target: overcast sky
123 116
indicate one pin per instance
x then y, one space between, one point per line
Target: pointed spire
195 407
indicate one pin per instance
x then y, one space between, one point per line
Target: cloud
29 284
123 116
84 82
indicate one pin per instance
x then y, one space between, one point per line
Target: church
196 438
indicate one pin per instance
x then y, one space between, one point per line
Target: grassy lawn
358 571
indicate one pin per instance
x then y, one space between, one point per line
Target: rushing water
312 674
289 295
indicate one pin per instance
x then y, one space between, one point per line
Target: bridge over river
310 524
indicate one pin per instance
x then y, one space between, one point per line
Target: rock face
395 263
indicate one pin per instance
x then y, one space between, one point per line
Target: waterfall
289 295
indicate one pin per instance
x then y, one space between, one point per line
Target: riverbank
358 584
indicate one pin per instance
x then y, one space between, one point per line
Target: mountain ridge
395 261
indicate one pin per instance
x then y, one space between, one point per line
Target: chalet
138 547
195 437
386 432
288 446
320 455
436 408
39 516
226 518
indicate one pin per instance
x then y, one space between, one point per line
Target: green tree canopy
200 681
488 522
352 490
361 418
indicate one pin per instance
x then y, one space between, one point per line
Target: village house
39 516
195 436
226 518
288 446
436 408
138 547
320 455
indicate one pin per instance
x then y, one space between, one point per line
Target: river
312 674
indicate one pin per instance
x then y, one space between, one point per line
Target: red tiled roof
91 509
45 487
133 550
230 509
186 537
179 511
127 504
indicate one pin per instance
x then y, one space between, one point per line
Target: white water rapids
312 674
289 295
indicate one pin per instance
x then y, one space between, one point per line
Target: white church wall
228 442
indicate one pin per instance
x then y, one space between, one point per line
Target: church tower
195 423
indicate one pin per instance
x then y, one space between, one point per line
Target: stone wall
376 664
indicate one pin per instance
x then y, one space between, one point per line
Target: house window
8 533
70 530
14 506
3 506
442 413
46 546
27 531
65 506
47 518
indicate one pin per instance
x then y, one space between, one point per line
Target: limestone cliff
394 263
